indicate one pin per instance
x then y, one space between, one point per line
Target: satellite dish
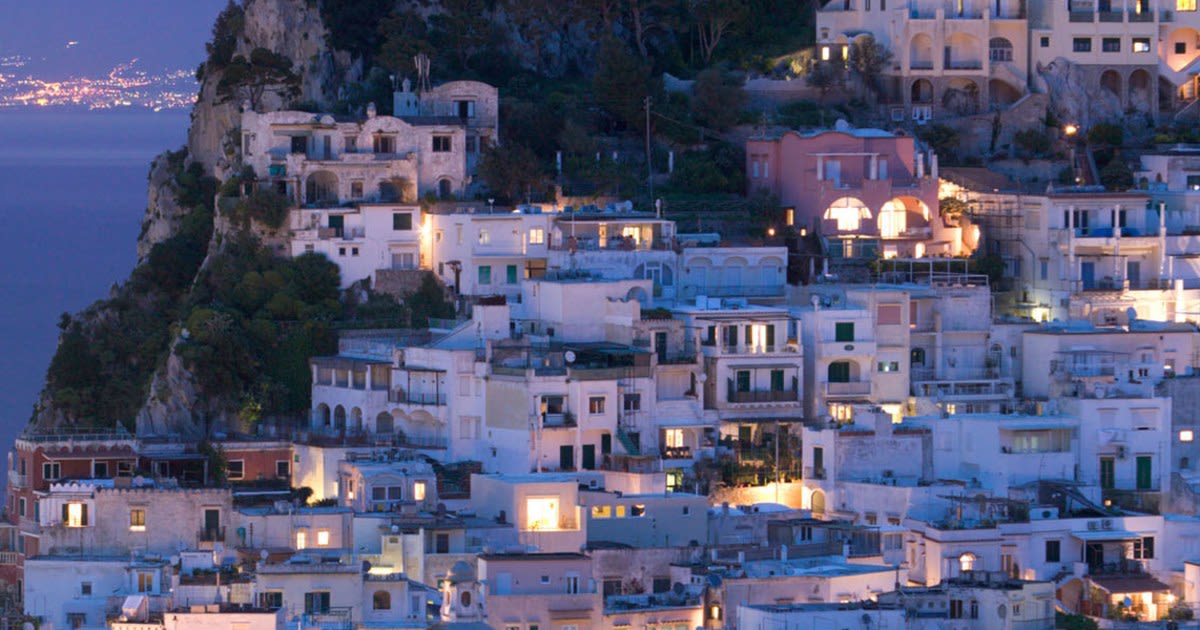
395 529
264 555
569 355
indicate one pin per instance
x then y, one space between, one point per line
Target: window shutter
64 514
84 522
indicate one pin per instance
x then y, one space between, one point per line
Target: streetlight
1071 130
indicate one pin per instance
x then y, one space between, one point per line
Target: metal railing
1112 16
769 396
211 534
861 388
417 398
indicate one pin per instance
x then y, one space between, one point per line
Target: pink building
868 191
546 591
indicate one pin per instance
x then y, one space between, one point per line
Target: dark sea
72 195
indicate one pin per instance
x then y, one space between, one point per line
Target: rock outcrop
163 212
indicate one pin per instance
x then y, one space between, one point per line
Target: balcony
768 396
565 420
1147 500
1082 16
814 472
211 534
860 388
676 452
1112 16
417 398
964 65
9 558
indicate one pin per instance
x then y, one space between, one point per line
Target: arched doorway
1001 93
962 96
920 52
321 187
445 187
1110 80
384 423
339 418
818 502
321 415
1141 97
922 92
847 214
356 419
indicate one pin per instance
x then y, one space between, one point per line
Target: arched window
444 188
381 600
1000 49
465 598
966 562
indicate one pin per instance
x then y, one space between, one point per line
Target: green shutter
844 331
84 521
65 517
771 336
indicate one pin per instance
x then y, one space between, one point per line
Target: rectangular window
237 469
537 236
85 588
283 468
145 582
1081 44
596 404
601 511
1053 551
441 543
441 144
632 402
843 331
1185 5
1180 48
137 520
510 274
301 539
485 274
1141 44
485 237
322 538
888 314
956 609
743 380
465 109
402 221
124 469
75 514
1110 44
100 470
51 471
776 380
889 366
384 144
1045 41
1143 548
1108 474
21 507
316 602
271 599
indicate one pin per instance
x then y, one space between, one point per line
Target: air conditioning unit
1106 524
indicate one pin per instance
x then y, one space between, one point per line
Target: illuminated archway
848 212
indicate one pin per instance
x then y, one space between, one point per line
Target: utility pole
649 163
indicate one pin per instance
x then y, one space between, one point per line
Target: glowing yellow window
301 539
601 511
322 538
75 515
419 491
541 513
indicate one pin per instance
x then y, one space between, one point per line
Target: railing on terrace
1082 16
585 244
1112 16
417 398
811 472
211 534
741 290
859 388
960 374
676 452
769 396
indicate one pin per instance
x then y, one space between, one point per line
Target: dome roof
462 571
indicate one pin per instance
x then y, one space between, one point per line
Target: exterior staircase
628 443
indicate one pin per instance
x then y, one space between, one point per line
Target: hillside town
846 422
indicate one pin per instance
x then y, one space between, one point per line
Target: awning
1128 584
1106 535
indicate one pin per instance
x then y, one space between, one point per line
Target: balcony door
566 458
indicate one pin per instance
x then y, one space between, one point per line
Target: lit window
419 491
137 520
620 511
596 404
848 212
638 510
75 515
1186 435
537 236
601 511
1141 44
322 538
541 513
824 53
673 438
301 539
485 237
966 562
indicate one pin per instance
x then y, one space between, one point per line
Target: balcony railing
1147 500
8 558
814 472
861 388
769 396
1082 16
558 420
211 534
1112 16
417 398
676 452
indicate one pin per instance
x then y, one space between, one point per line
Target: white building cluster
637 427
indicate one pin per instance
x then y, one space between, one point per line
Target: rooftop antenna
421 61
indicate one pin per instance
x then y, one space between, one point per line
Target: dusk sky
163 34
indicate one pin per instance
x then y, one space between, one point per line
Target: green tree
352 24
225 32
941 138
621 83
249 79
714 19
463 27
403 35
717 98
824 76
1116 175
429 300
1034 141
868 59
511 171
